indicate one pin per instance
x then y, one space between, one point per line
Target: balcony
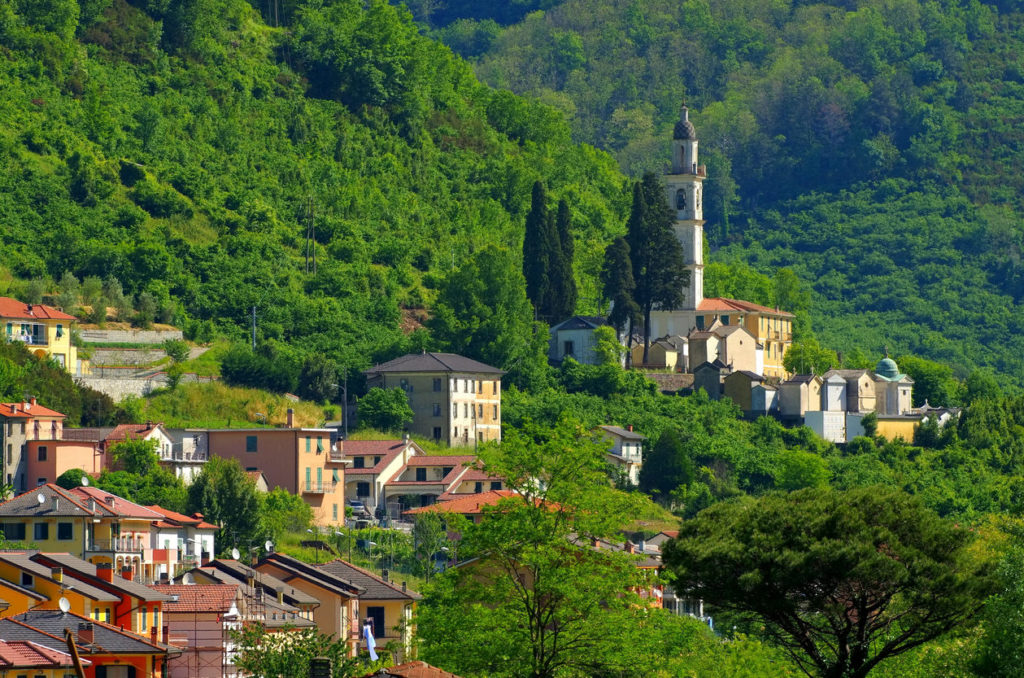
116 545
318 488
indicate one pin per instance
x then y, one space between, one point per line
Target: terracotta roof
387 450
375 588
24 654
411 670
433 362
467 505
178 519
123 431
197 597
25 410
111 504
725 304
12 308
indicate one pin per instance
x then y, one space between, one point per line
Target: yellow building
454 399
44 330
17 568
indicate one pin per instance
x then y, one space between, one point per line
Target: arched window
680 199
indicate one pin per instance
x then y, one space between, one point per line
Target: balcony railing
119 545
318 488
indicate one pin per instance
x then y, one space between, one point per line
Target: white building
627 451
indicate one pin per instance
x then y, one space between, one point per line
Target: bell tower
684 185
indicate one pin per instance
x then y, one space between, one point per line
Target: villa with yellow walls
45 331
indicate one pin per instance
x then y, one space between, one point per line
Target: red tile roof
387 450
178 519
12 308
467 505
441 460
24 654
725 304
412 670
8 410
198 597
123 431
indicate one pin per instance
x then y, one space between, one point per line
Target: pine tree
535 250
658 265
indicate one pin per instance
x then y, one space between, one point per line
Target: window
478 487
251 444
319 445
41 450
334 511
60 330
40 481
307 478
334 475
465 410
437 409
495 484
65 531
455 385
445 470
309 442
319 477
421 474
700 322
480 412
144 613
480 436
725 320
362 489
437 385
437 433
495 413
376 460
358 462
14 531
10 453
26 580
41 531
455 410
568 348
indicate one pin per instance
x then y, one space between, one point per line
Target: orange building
299 460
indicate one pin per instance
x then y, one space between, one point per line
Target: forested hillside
188 148
872 146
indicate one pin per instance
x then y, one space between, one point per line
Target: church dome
887 369
684 128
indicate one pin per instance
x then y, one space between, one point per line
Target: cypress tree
657 257
535 249
563 281
618 285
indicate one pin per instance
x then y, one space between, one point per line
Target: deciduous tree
385 409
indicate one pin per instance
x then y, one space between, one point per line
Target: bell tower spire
684 184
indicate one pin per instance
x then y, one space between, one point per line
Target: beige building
733 345
739 387
799 395
668 353
454 399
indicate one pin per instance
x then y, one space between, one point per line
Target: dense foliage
871 146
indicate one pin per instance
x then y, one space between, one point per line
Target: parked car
358 508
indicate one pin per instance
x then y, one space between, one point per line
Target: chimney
85 636
405 438
32 401
57 574
14 408
630 428
110 499
126 573
403 587
630 548
291 418
105 571
27 406
29 307
280 597
55 500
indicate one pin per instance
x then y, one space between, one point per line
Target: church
772 328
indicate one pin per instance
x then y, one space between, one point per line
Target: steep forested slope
185 147
873 146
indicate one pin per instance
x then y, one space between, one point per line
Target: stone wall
129 336
126 356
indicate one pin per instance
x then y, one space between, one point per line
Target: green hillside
872 146
186 148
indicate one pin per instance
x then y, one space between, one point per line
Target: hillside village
147 590
361 339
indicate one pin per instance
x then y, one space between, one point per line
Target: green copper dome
887 369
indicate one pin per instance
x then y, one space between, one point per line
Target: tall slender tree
618 286
657 257
563 281
535 250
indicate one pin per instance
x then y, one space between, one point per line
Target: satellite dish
65 605
269 546
234 554
85 481
186 579
41 498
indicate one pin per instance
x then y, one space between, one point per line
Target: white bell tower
684 186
